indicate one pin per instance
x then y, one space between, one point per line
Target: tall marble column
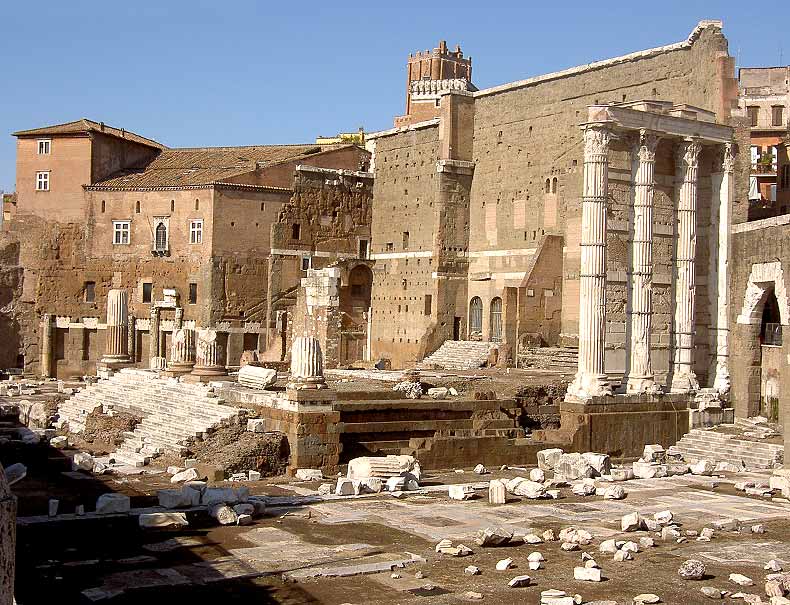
208 354
132 337
721 381
684 380
47 344
590 379
153 333
307 364
640 371
182 351
117 343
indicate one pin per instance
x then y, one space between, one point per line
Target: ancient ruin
537 326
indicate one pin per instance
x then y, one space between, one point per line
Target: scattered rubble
692 569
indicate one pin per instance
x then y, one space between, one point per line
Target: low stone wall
312 437
7 541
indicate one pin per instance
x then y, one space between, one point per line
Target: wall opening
496 320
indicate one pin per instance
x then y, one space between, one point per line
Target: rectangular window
196 231
777 115
42 181
148 290
307 263
772 192
192 294
89 291
120 232
44 145
428 304
405 240
390 246
363 248
296 231
753 112
786 176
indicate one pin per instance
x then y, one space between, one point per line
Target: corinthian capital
647 143
688 153
596 140
728 159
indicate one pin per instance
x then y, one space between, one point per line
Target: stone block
189 474
223 513
256 425
113 503
461 492
497 493
162 520
573 466
548 458
600 462
309 474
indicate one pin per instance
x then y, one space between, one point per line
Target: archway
355 298
476 319
496 320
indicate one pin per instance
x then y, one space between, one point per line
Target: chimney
101 126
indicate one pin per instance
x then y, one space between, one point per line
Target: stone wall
7 541
312 437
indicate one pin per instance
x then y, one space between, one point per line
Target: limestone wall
7 541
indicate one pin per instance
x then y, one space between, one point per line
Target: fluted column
182 351
117 343
47 344
684 379
307 364
590 379
721 381
640 313
132 337
153 333
208 354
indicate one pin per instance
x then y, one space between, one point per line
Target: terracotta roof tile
86 125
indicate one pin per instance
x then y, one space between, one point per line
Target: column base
722 381
636 385
685 383
586 386
209 371
178 369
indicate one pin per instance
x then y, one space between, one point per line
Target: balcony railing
760 168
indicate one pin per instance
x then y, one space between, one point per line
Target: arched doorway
496 320
355 310
770 357
476 319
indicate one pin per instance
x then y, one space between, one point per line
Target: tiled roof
189 167
86 125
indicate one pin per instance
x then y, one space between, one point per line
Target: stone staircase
459 355
558 359
723 447
174 413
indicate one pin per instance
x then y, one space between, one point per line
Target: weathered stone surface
711 593
530 489
460 492
309 474
703 467
347 487
504 564
622 555
471 570
82 461
600 462
573 466
741 580
256 425
614 492
547 459
497 493
225 495
631 522
663 517
646 598
162 520
223 513
244 520
189 474
538 475
587 574
584 489
437 393
519 582
59 441
383 467
621 474
494 536
692 569
480 469
113 503
654 453
178 498
256 377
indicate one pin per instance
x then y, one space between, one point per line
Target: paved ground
338 551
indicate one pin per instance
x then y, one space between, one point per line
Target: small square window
192 294
120 232
89 291
44 146
307 263
148 290
42 181
196 231
390 246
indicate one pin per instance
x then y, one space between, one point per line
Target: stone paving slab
747 553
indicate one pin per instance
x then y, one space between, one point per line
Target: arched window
102 205
548 185
554 185
197 204
496 320
172 205
137 207
161 236
771 325
475 317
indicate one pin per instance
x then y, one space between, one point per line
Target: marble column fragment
182 351
684 380
132 336
117 343
590 379
307 364
640 377
208 354
721 381
153 333
47 344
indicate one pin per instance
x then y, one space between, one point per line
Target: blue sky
196 73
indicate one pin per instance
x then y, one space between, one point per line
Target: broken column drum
208 354
684 380
182 350
590 379
307 364
117 348
639 378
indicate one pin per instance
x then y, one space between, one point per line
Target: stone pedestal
182 352
117 343
590 380
7 541
307 364
639 378
208 356
684 380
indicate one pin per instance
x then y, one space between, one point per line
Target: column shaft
590 378
684 379
640 370
721 381
153 333
47 345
